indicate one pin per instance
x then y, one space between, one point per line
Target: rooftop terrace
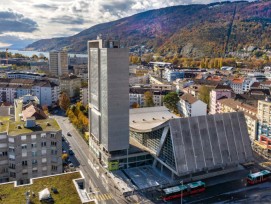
63 183
16 128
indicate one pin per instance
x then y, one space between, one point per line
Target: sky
26 21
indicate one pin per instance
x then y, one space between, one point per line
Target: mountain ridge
195 30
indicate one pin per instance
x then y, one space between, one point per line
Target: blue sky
25 21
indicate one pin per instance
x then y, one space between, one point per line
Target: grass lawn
63 183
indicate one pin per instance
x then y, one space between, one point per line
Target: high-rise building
108 97
58 63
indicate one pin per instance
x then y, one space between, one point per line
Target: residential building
242 85
264 116
58 63
219 92
46 91
108 98
189 106
84 95
29 148
71 85
172 75
25 75
231 105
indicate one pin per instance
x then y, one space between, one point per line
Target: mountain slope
192 30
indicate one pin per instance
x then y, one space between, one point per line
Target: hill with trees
197 30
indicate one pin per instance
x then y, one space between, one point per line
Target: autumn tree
171 100
204 94
135 105
148 99
64 101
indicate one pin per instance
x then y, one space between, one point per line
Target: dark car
69 134
71 152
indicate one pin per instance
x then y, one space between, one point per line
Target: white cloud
67 17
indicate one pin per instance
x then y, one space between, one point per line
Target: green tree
204 94
64 101
148 100
171 100
35 57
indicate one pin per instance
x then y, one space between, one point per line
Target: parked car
71 152
71 165
69 134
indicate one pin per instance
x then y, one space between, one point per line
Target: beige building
264 116
30 147
58 63
250 112
71 85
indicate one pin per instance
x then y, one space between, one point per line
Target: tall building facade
108 97
264 116
58 63
220 92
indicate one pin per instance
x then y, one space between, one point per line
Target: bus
258 177
183 190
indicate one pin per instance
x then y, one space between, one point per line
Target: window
44 168
23 137
33 137
34 153
11 166
12 174
24 146
43 144
53 143
33 145
3 154
11 149
54 152
53 135
54 168
43 135
11 140
24 154
34 161
43 160
24 163
43 151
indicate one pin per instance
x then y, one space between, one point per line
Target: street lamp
181 192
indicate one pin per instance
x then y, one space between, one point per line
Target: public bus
258 177
182 190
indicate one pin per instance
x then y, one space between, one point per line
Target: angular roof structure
206 142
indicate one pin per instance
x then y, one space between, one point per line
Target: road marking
101 197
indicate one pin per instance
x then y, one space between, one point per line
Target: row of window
33 137
34 170
43 144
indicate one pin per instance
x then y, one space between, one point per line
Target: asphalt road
81 160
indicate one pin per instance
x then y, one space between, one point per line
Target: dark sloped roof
189 98
220 86
209 142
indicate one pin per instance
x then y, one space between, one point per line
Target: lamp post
181 192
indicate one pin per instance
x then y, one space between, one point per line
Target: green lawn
67 192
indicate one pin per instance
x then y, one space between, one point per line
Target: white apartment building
58 63
138 98
242 85
189 106
46 91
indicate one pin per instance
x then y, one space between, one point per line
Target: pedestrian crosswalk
100 197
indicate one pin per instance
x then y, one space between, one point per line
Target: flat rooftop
17 128
147 119
62 182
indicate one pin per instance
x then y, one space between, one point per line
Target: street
96 180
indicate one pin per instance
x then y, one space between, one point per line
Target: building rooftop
17 128
188 98
148 119
67 192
